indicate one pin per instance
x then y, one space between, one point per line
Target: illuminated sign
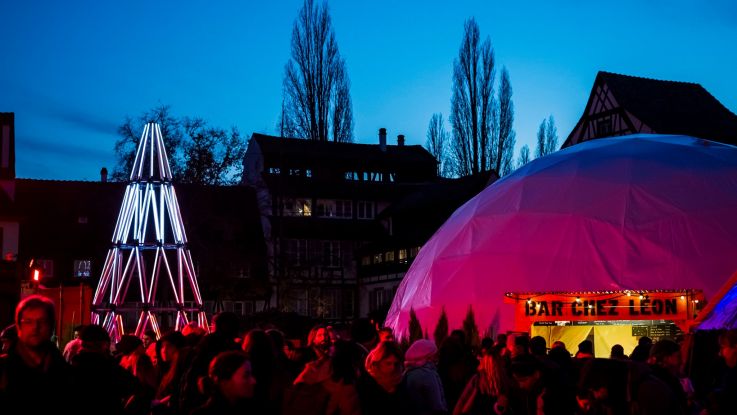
627 305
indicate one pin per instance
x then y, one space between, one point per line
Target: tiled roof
329 150
670 107
61 219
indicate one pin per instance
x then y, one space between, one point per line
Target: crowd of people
362 370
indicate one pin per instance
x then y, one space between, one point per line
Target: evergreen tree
415 329
471 330
441 329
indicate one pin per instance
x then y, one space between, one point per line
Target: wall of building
9 240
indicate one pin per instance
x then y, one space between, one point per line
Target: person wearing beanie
424 390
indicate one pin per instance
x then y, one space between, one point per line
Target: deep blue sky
72 70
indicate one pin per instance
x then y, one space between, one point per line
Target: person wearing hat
424 390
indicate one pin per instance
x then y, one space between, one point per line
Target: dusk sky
72 71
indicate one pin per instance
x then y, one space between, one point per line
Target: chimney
400 140
382 139
7 146
103 175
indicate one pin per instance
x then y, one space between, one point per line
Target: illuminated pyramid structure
148 271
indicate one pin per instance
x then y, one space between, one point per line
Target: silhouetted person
617 352
621 387
538 347
363 333
642 350
585 350
222 339
665 362
539 389
723 399
102 384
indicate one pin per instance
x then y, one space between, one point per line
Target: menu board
640 331
656 331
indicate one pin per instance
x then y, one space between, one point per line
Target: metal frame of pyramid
149 238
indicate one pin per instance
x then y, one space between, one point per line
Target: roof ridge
30 179
650 79
328 142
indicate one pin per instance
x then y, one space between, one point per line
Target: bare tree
211 155
130 133
437 142
551 136
547 138
524 156
316 85
197 152
506 140
285 126
508 165
472 115
342 128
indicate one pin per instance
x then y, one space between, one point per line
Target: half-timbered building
622 104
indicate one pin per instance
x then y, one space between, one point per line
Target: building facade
319 203
622 104
410 222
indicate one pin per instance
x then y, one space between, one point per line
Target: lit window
403 256
414 251
82 268
308 173
274 170
366 260
297 207
378 259
389 256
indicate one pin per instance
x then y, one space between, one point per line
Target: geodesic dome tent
639 212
